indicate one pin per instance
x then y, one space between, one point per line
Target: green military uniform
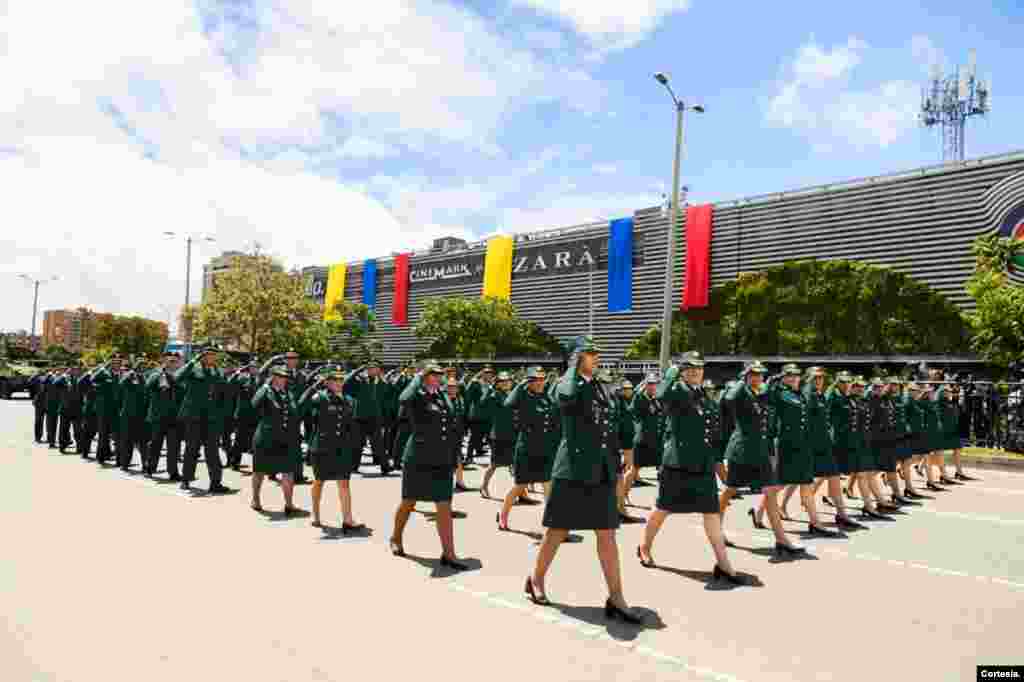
862 457
70 412
649 428
915 411
370 396
107 406
459 424
200 415
276 444
131 419
334 446
245 386
52 390
493 411
537 436
162 417
584 475
948 426
686 483
89 425
795 458
842 418
748 448
479 427
819 431
427 464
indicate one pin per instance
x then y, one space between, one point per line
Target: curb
991 463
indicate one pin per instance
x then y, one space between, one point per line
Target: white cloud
926 52
606 168
122 120
609 25
817 100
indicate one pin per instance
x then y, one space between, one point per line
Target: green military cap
279 371
627 384
791 369
816 371
708 383
291 354
336 375
691 359
859 381
587 344
604 375
755 367
371 363
503 376
893 380
433 368
535 373
652 378
877 381
488 368
844 377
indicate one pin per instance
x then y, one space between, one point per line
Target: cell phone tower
948 101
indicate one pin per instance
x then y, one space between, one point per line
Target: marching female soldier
649 426
427 464
686 483
949 430
748 454
536 443
503 433
335 444
916 447
841 416
863 461
458 404
583 480
276 443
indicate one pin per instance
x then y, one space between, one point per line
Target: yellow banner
498 268
335 290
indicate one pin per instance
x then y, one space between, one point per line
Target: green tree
131 336
255 305
997 321
816 307
348 339
480 328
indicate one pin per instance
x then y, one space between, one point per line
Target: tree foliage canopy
997 321
130 336
347 340
257 306
480 328
817 307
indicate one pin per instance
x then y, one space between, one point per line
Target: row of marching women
583 440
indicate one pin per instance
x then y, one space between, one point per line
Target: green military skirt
825 465
863 459
646 456
681 492
335 465
887 454
950 441
531 468
752 475
796 465
427 484
276 459
575 505
501 452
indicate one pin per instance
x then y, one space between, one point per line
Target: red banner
698 256
400 304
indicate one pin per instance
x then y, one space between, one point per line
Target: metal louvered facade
922 222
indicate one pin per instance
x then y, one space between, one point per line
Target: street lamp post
189 238
666 315
35 299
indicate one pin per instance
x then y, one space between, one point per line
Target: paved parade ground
111 577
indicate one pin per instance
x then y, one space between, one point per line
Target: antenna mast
948 101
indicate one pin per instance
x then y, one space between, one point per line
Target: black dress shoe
849 493
753 519
452 564
347 528
847 523
396 548
934 488
646 563
827 501
871 514
786 552
174 477
886 507
185 487
459 488
219 489
964 477
540 600
819 532
720 575
945 480
912 494
611 611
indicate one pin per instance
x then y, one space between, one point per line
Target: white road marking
972 517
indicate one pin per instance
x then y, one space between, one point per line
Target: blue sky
333 131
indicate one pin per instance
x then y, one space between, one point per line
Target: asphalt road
111 577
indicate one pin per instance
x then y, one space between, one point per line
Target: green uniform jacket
949 420
245 389
584 451
648 421
107 396
52 391
133 396
474 395
819 433
71 397
748 443
538 433
163 396
932 421
370 395
860 426
200 391
430 444
791 428
278 420
501 418
627 426
914 414
689 440
841 412
334 421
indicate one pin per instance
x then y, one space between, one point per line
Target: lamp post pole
35 302
670 256
187 316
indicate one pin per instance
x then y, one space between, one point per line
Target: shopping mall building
921 222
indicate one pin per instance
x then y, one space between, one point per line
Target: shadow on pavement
439 571
336 533
616 629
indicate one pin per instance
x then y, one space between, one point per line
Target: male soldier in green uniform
88 413
479 426
107 404
70 409
245 383
37 389
162 417
296 386
51 398
199 380
370 392
132 418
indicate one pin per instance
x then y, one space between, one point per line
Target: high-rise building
216 266
73 330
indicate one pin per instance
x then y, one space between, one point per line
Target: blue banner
370 283
620 266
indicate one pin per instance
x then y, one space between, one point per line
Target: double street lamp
670 261
189 238
35 299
